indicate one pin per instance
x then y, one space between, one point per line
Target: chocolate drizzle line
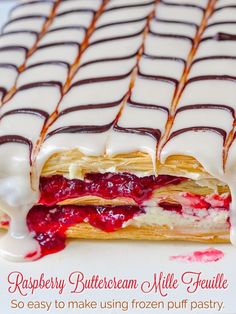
100 41
225 7
29 3
17 139
130 6
108 60
197 129
121 23
90 107
26 17
72 27
211 77
157 19
158 78
220 37
38 85
132 103
182 5
214 58
60 63
155 133
59 43
37 112
220 23
76 11
3 91
181 37
9 48
101 79
206 106
19 32
81 129
225 36
151 57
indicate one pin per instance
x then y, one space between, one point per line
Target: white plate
138 260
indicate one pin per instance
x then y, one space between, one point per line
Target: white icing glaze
8 76
69 5
221 3
216 48
36 8
102 69
214 67
223 15
18 39
121 15
201 3
30 24
165 46
112 49
72 18
153 92
223 28
55 72
44 98
203 117
61 52
161 67
15 57
63 35
119 3
95 93
117 30
198 93
167 28
179 13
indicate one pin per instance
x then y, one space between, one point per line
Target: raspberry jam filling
108 186
50 224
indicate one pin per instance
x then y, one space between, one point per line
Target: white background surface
5 6
122 259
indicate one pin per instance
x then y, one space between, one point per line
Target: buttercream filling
49 225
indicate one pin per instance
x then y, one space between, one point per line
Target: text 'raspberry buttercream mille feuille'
117 122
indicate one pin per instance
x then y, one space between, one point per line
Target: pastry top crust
109 79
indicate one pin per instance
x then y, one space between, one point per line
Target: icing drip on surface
206 256
113 77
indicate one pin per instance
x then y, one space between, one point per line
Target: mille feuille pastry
117 122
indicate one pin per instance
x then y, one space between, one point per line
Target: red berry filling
108 186
51 223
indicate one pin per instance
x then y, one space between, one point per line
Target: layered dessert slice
117 123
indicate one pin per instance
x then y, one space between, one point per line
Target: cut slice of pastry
117 122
